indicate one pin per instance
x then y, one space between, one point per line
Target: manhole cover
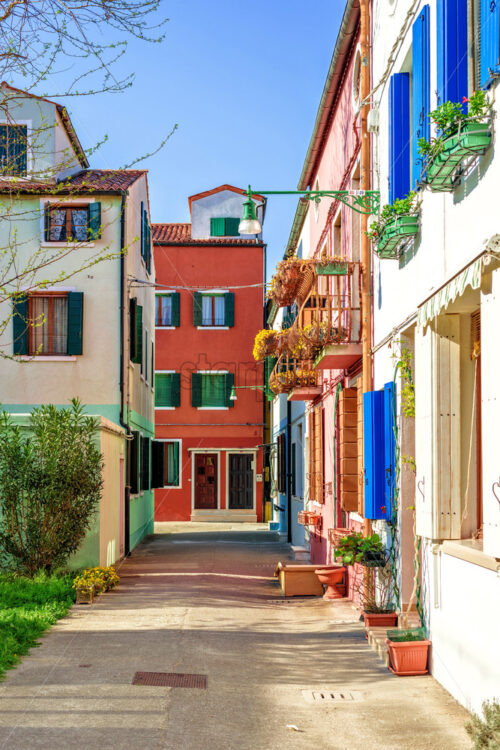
331 696
170 679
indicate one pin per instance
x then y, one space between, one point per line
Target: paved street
204 601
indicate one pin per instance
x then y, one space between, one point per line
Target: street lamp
232 395
362 201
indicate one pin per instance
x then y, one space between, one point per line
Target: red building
209 306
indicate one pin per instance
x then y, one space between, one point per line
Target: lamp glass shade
249 226
232 395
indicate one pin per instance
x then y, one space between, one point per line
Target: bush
485 732
50 486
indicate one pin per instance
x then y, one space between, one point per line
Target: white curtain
219 311
206 311
49 325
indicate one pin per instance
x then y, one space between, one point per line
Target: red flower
464 100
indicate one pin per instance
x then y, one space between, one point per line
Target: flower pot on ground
84 594
380 619
408 657
379 609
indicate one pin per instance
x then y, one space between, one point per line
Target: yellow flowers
97 579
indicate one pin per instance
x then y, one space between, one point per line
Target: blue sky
242 80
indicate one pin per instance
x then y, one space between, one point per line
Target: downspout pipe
289 467
124 418
365 185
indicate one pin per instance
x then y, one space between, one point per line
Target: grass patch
28 606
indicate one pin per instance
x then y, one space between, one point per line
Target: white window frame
207 293
172 440
163 293
213 408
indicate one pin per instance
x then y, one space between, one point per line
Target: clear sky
243 81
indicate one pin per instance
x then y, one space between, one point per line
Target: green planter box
332 269
395 234
473 140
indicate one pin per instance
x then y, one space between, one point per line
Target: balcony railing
292 372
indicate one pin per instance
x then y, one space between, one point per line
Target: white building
441 299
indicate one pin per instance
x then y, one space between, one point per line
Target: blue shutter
399 136
452 79
421 90
489 19
389 450
374 459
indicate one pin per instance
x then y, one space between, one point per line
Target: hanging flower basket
332 268
335 535
395 235
292 281
374 559
459 150
266 344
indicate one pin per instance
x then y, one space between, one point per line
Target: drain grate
170 679
331 696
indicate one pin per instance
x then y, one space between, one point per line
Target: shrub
50 485
485 731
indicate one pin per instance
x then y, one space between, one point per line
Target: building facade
209 401
71 337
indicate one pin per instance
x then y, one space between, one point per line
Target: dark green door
240 481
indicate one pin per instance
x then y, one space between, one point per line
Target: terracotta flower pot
408 657
332 578
380 619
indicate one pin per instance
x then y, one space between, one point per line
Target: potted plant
461 136
396 225
266 344
378 603
334 266
292 279
408 651
84 590
366 550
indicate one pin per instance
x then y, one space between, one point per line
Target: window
421 87
224 227
167 310
145 464
13 149
48 324
213 309
145 239
166 463
282 463
211 390
167 390
489 47
73 223
152 364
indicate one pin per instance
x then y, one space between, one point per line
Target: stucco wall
223 204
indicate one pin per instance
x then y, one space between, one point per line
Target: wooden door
205 481
240 481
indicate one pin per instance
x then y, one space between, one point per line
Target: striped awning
431 308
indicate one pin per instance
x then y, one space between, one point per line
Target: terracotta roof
220 189
63 113
86 181
180 234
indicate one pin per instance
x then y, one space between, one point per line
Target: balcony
328 325
296 377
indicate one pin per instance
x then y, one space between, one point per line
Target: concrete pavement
204 601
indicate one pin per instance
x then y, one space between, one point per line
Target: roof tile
86 181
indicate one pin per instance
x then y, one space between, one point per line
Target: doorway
205 481
240 481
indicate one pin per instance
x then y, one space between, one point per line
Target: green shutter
75 322
196 380
20 322
133 457
269 364
173 464
157 463
217 227
229 309
176 389
229 387
231 229
18 149
132 308
94 231
46 222
4 151
176 308
143 234
163 389
138 336
197 309
148 245
145 479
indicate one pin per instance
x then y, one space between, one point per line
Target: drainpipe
289 472
365 185
124 365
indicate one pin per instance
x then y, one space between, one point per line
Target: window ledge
213 328
165 328
165 408
67 244
47 358
470 550
212 408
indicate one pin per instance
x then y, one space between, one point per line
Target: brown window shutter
316 468
348 421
